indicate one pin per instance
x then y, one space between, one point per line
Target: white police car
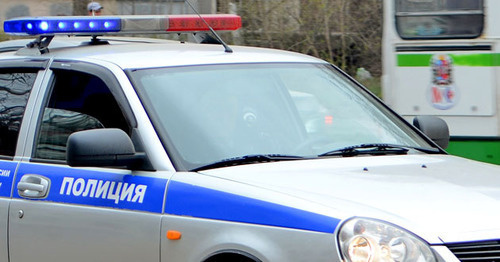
116 149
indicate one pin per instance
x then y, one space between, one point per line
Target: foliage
373 84
345 32
3 36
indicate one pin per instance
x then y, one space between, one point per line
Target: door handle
23 186
33 186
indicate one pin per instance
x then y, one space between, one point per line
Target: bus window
434 19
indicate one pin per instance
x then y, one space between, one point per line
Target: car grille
485 251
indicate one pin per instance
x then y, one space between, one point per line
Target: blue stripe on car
97 188
124 191
7 171
194 201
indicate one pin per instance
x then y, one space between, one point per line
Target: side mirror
435 128
106 147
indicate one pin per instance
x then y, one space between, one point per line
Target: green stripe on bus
481 150
414 60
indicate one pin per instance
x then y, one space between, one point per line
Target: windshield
209 113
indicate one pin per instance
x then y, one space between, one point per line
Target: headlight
364 240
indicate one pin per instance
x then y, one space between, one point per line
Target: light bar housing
100 25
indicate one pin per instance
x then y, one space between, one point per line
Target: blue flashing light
44 26
62 25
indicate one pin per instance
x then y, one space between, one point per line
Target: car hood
438 197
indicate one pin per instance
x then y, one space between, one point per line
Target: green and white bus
442 58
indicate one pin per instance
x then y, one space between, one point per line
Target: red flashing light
180 23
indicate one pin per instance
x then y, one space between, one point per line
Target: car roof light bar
101 25
60 25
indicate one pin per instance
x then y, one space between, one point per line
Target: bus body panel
455 78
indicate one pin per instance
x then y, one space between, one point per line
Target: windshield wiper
376 149
248 159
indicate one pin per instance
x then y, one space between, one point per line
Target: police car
124 149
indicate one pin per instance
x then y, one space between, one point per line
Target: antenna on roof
226 47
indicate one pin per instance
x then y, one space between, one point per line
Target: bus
442 58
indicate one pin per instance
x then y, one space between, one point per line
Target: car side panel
203 238
217 215
7 171
61 232
4 213
88 215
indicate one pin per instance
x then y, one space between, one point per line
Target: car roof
136 53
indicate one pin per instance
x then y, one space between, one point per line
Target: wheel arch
231 255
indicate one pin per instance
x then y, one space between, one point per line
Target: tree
345 32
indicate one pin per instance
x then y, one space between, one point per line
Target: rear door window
15 88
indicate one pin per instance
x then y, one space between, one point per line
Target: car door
61 213
17 78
